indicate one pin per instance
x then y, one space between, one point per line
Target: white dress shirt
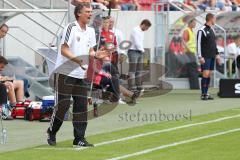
137 39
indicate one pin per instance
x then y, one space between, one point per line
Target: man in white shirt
135 54
233 52
77 44
234 47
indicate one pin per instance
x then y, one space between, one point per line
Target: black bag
193 75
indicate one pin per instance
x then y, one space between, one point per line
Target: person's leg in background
3 93
8 93
133 59
26 86
11 93
129 94
113 88
139 72
3 97
19 90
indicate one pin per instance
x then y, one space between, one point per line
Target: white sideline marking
175 144
147 133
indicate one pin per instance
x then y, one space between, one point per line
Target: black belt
135 50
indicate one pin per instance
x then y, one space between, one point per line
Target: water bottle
4 136
95 110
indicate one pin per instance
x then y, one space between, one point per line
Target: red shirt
109 37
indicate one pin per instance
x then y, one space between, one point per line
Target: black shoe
134 97
81 143
209 97
139 88
51 138
204 97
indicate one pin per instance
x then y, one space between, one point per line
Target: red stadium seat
146 4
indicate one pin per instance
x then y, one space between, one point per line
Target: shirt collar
78 26
139 28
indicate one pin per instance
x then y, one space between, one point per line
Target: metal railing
16 11
30 47
47 17
50 3
31 35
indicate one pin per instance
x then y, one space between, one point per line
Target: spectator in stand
129 5
234 4
205 4
220 4
114 4
190 4
104 2
237 2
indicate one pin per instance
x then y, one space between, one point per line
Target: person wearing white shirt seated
234 50
234 47
221 51
136 53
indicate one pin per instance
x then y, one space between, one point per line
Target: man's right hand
201 60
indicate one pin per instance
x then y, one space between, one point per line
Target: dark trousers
67 87
3 94
135 68
113 82
111 68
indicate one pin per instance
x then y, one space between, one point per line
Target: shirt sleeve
199 41
136 41
67 36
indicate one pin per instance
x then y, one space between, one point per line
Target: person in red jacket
102 72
